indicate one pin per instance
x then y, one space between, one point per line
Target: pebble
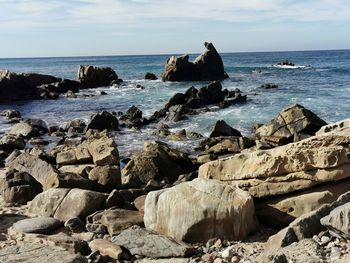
228 252
235 259
335 253
207 258
218 260
325 240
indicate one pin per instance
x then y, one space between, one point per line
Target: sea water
320 81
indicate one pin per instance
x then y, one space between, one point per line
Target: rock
226 144
75 225
158 162
228 253
339 220
78 125
221 128
305 226
290 121
176 113
10 114
93 77
38 225
199 214
34 252
139 203
11 142
106 248
106 177
38 124
42 171
268 86
285 62
66 157
19 187
71 94
103 121
150 76
61 203
134 113
285 169
64 86
207 66
103 150
340 126
146 243
24 129
116 220
280 211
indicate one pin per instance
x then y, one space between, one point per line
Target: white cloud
33 14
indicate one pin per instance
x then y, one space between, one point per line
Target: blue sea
319 82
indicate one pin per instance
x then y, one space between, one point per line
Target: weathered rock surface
63 204
93 77
157 162
221 128
116 220
201 209
106 177
339 220
285 169
11 142
340 126
103 121
24 129
33 253
290 122
38 225
226 144
208 66
142 242
10 114
106 248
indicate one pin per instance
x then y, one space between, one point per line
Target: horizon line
174 54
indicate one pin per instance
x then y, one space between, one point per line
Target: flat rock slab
143 242
35 253
38 225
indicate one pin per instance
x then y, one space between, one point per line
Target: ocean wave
291 67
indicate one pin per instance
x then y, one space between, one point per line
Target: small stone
228 252
317 239
207 258
325 240
235 259
218 243
218 260
335 253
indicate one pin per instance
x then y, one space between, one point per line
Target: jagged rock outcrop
221 128
199 210
102 121
156 162
339 220
150 76
207 66
290 124
93 77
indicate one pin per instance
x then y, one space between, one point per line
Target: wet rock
221 128
134 113
70 94
150 76
61 203
10 114
103 121
158 162
19 187
207 66
93 77
293 120
285 62
64 86
34 252
142 242
24 129
268 86
176 113
38 225
200 212
116 220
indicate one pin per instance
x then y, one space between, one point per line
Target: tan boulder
103 150
201 209
106 248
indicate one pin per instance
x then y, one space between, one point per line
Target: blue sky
31 28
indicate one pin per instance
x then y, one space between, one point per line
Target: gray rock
35 253
93 77
38 225
24 129
142 242
339 220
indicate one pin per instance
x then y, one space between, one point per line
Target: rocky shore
67 194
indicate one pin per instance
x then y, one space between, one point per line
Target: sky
44 28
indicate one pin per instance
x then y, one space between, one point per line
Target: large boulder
102 121
11 142
207 66
147 243
38 225
285 169
339 220
199 210
290 124
64 204
156 162
21 86
106 177
93 77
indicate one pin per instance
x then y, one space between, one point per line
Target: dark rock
134 113
19 187
37 225
150 76
75 225
11 142
103 121
93 77
10 114
285 62
38 124
176 99
268 86
63 86
40 79
208 66
70 94
176 113
221 128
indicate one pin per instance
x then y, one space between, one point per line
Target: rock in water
103 121
208 66
150 76
221 128
38 225
143 242
292 121
199 210
93 77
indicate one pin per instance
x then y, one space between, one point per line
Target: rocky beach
149 182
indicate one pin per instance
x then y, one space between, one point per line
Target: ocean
320 82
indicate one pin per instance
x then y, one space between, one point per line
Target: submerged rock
195 211
208 66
